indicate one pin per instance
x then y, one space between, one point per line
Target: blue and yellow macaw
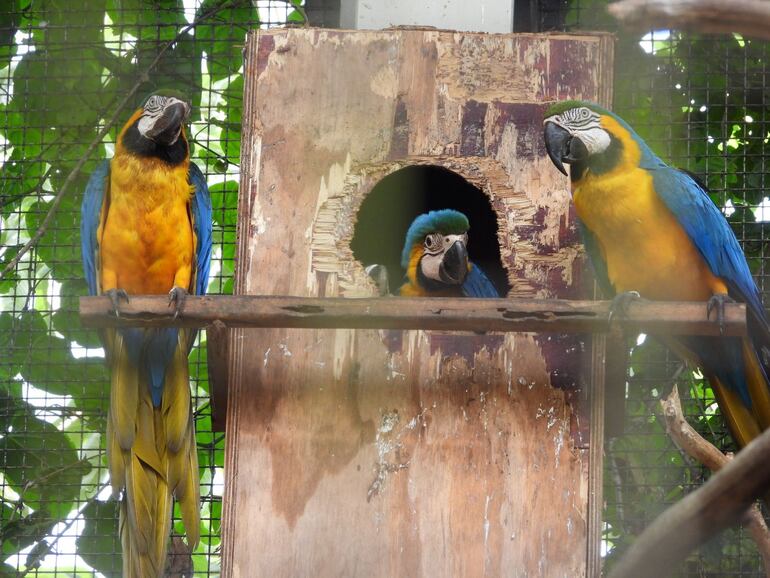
435 257
146 229
652 229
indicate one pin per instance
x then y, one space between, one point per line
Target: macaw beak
562 147
454 265
167 128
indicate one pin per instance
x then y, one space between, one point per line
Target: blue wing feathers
597 260
201 214
90 213
708 229
711 234
478 285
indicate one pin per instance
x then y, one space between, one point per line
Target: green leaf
296 16
40 463
148 20
222 37
99 544
66 320
18 532
224 202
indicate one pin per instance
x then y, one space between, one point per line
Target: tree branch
747 17
143 78
717 505
694 445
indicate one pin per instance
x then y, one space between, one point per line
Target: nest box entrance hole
398 198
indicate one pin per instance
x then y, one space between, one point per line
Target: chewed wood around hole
365 222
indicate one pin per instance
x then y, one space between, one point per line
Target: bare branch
697 447
747 17
717 505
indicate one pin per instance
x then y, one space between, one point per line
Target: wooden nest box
406 453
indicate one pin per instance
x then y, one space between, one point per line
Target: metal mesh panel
699 103
64 69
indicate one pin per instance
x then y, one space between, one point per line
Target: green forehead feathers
560 107
445 221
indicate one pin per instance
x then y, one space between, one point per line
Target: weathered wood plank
218 357
615 377
596 455
405 452
446 314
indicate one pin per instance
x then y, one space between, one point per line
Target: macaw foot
115 296
177 296
717 303
620 303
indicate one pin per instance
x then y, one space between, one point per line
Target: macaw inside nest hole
393 203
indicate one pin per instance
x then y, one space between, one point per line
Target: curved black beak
562 147
454 266
557 141
167 128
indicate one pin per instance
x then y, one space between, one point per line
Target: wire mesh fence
65 67
700 103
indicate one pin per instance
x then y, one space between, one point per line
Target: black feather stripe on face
135 143
599 163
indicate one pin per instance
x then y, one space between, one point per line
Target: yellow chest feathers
644 246
147 241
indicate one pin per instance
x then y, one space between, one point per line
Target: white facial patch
436 245
153 110
429 264
585 124
595 139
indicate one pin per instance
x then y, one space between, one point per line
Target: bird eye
432 242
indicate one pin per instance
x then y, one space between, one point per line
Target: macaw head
157 129
590 138
162 116
435 253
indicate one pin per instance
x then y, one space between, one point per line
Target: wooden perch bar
747 17
455 314
701 515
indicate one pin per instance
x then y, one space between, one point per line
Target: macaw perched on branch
652 230
435 257
146 229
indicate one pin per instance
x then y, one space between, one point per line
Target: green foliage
689 97
99 544
64 67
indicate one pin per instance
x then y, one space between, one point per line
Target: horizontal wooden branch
718 504
455 314
750 18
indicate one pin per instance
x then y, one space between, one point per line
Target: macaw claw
115 296
620 303
177 297
717 302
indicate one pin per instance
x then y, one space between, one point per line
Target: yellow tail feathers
160 461
758 386
745 424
